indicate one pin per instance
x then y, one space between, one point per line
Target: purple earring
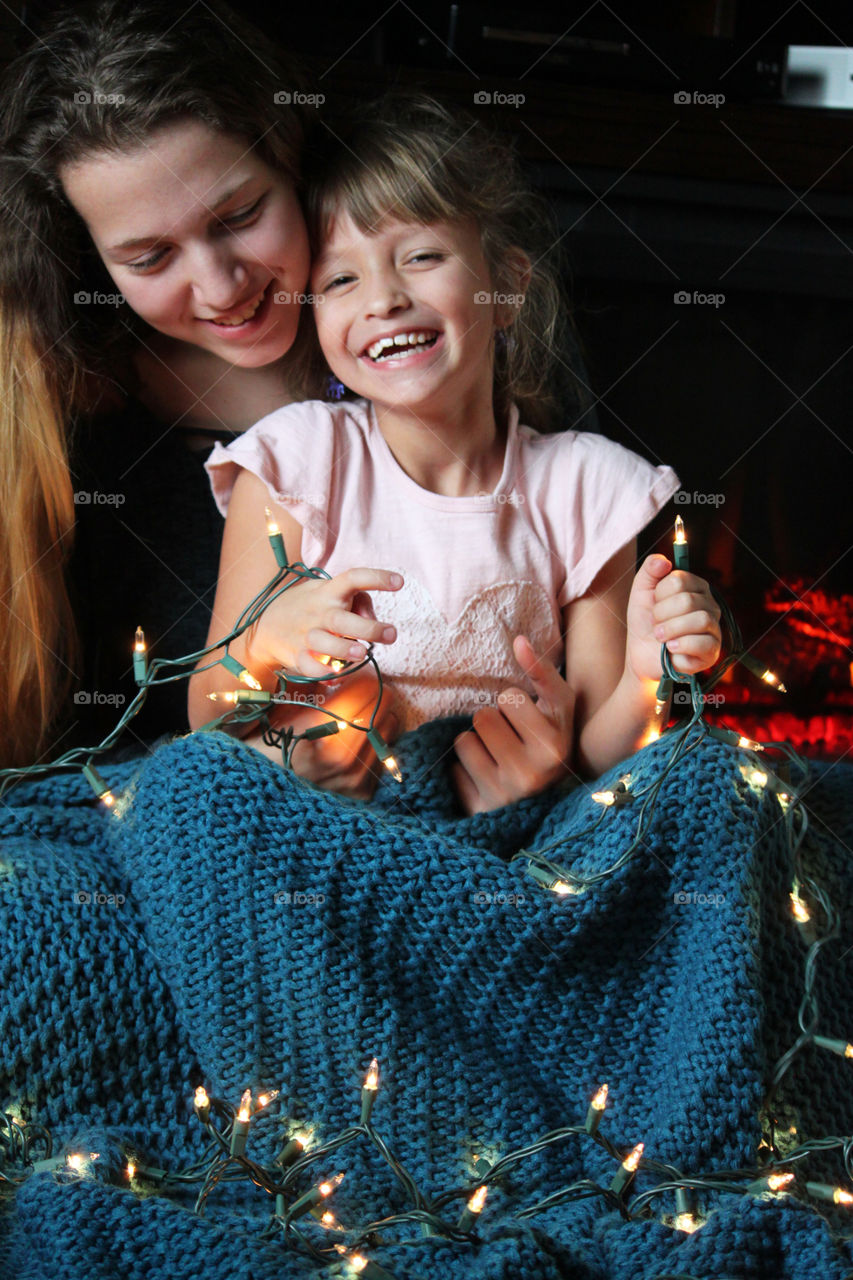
335 390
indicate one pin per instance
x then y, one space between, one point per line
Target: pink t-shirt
478 570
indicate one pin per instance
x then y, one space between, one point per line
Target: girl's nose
218 279
385 295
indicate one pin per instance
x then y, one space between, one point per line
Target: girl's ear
515 273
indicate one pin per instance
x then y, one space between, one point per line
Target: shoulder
300 448
584 458
306 428
581 446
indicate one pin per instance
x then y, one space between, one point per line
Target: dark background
751 199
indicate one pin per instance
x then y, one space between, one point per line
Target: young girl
506 553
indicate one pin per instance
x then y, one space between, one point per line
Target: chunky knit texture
271 935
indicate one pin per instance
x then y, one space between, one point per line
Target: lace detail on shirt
441 668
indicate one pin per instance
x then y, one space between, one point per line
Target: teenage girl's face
204 241
405 315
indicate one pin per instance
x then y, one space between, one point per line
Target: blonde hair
37 644
98 80
407 156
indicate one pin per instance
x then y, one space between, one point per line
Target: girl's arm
612 639
309 617
615 707
246 565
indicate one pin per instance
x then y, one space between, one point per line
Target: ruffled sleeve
296 451
610 494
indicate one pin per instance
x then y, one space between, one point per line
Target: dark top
146 554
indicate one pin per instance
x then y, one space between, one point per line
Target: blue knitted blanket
232 926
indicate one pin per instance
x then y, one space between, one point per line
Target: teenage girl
153 262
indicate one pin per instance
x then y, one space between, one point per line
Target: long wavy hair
101 79
410 157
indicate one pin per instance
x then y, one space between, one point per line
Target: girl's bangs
373 189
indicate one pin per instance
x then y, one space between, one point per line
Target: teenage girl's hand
520 746
325 617
674 607
345 762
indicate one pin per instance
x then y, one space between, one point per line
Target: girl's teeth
414 339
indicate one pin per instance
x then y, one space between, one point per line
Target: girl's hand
520 746
325 617
345 762
674 607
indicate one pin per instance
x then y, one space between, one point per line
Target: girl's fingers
522 745
680 581
690 664
555 700
342 647
539 733
469 797
652 571
353 580
473 754
497 735
543 675
311 663
328 644
698 623
685 602
703 647
342 622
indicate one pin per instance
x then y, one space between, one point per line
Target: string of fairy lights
251 704
298 1179
301 1216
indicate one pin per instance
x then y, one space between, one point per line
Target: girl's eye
336 280
241 218
426 255
145 263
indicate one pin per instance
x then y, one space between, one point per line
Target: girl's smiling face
406 316
203 239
